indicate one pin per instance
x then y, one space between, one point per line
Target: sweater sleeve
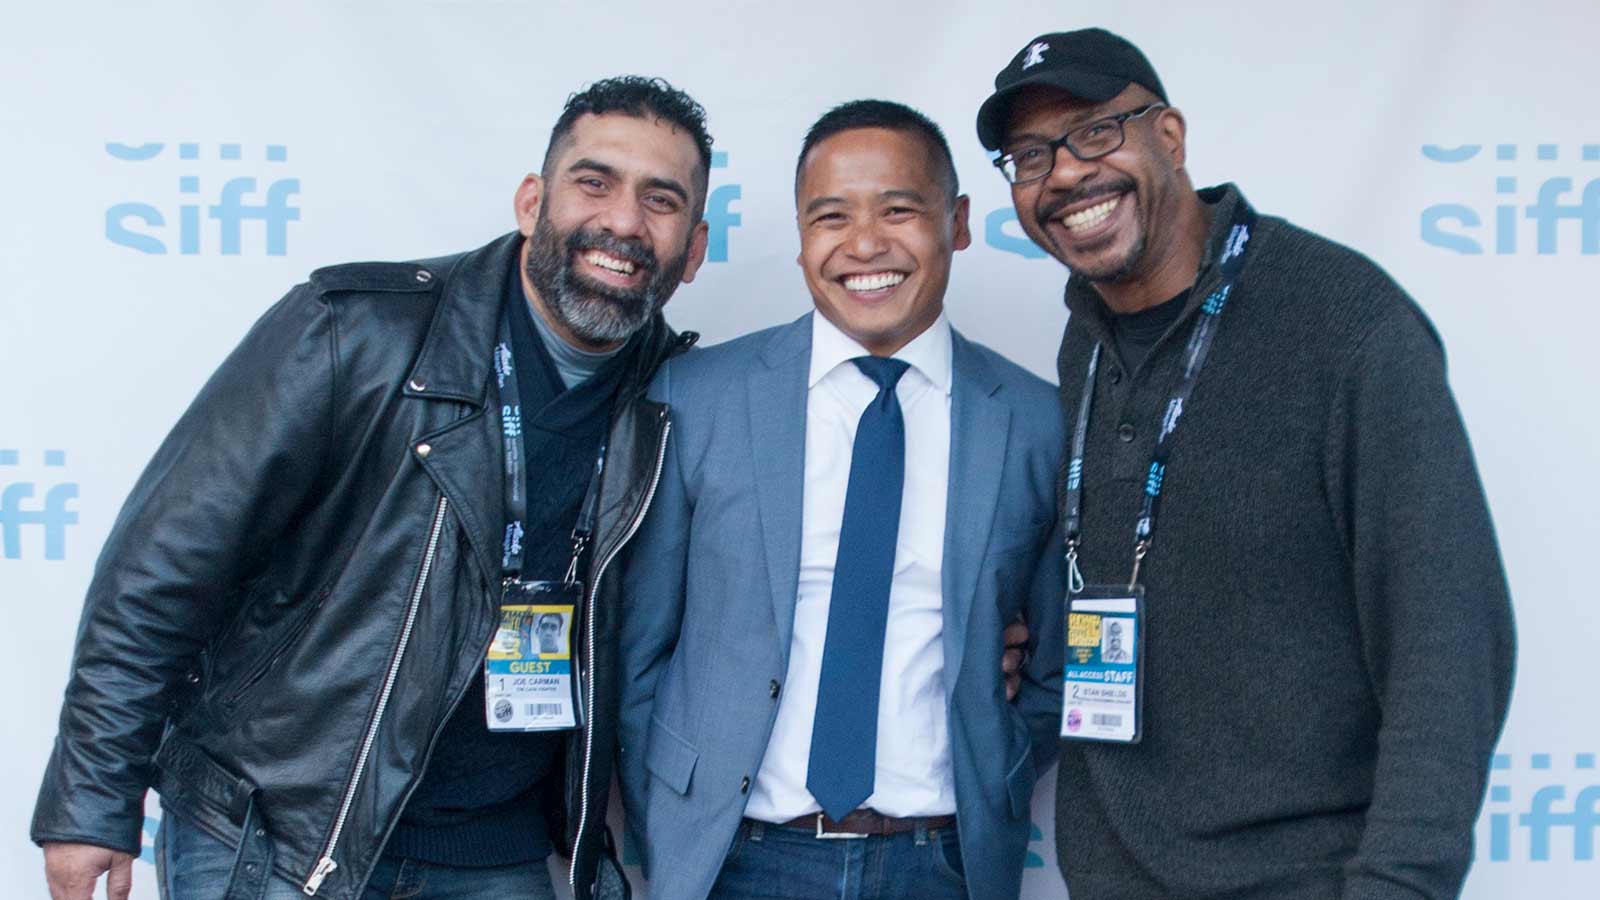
1433 607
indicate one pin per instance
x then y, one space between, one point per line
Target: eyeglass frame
1119 119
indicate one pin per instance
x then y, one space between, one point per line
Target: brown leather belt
865 823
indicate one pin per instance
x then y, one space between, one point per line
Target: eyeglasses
1031 162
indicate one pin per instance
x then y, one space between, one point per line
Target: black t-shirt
1136 333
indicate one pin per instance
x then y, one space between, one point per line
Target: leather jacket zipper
594 592
326 865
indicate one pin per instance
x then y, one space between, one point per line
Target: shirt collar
929 352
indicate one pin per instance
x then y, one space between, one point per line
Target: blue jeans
193 865
767 862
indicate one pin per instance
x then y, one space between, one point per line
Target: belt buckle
836 835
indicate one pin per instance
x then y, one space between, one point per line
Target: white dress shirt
913 775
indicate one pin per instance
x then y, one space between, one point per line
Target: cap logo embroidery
1035 54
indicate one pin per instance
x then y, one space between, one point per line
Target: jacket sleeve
200 519
1039 697
652 615
1433 608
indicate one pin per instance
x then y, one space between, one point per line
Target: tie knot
883 370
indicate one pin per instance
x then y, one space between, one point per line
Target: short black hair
642 98
883 114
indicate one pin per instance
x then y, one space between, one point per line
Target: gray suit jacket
711 585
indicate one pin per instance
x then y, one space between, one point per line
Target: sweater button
744 785
772 689
1125 433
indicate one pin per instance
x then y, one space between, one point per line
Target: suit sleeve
1039 697
653 602
1433 608
200 519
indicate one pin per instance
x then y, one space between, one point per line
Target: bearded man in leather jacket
286 632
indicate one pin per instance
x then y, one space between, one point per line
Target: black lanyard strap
1201 338
516 471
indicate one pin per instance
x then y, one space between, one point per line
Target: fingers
1011 661
71 870
1015 638
1016 634
119 881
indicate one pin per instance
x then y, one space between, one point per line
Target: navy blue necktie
844 733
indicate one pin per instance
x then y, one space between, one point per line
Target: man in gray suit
852 507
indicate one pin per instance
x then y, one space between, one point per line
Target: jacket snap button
1125 433
772 689
424 449
744 785
192 678
417 384
424 276
1116 376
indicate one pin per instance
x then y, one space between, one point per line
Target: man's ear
1171 131
697 250
961 238
525 203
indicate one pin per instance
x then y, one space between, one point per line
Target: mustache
1056 203
631 249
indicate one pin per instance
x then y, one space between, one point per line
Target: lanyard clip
1074 574
580 542
1139 550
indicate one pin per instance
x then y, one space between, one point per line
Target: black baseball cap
1090 63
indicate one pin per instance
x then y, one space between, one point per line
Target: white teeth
609 262
875 281
1094 215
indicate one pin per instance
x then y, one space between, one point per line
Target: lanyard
1194 357
516 473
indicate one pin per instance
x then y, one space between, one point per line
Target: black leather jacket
305 578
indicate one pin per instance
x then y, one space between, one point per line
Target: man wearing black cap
1264 455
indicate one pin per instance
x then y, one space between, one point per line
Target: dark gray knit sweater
1329 642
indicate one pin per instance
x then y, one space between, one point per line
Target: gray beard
594 312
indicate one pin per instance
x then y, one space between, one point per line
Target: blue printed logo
1460 226
1152 480
1217 300
996 235
147 840
21 505
511 421
1553 821
720 217
1034 860
238 199
1074 474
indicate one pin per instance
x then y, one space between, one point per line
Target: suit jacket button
744 785
772 689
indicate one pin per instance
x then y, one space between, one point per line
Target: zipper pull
325 867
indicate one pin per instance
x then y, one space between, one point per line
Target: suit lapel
980 427
777 401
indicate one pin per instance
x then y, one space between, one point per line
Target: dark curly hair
642 98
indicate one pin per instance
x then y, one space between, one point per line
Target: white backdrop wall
1457 143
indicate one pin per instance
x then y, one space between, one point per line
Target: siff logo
50 516
140 225
1459 227
1556 819
720 217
